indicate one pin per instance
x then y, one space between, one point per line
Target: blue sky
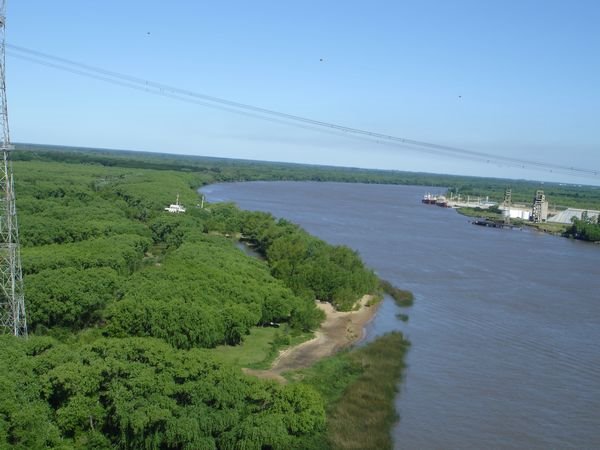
513 78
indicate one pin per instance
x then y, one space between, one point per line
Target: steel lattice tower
12 303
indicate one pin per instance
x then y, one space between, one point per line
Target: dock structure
494 224
456 201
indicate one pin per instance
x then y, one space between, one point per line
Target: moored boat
442 201
429 199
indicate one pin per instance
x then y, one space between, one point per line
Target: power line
231 110
280 117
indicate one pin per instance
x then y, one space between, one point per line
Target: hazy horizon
515 80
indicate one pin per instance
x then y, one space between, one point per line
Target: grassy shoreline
359 387
402 297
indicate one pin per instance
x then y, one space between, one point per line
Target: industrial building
539 210
566 215
516 212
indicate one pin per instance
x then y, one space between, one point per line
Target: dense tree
122 253
310 266
140 393
132 292
203 294
70 297
224 218
584 229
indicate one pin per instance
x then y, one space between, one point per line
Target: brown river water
505 328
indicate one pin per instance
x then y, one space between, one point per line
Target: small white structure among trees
175 207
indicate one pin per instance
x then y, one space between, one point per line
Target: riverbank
555 229
359 387
487 364
338 331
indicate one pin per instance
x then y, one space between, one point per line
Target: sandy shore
339 330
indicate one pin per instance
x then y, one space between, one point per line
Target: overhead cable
165 90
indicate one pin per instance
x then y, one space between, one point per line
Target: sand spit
338 331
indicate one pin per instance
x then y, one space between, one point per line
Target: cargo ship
438 200
442 201
429 199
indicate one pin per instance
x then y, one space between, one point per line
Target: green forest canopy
123 298
559 195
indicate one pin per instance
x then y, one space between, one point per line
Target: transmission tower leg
12 303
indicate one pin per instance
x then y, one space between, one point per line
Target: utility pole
12 302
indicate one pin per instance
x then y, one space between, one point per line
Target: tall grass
359 387
400 296
365 413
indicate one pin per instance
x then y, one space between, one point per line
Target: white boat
176 207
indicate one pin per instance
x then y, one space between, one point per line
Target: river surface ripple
505 327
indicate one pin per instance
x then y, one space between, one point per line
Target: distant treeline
222 169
